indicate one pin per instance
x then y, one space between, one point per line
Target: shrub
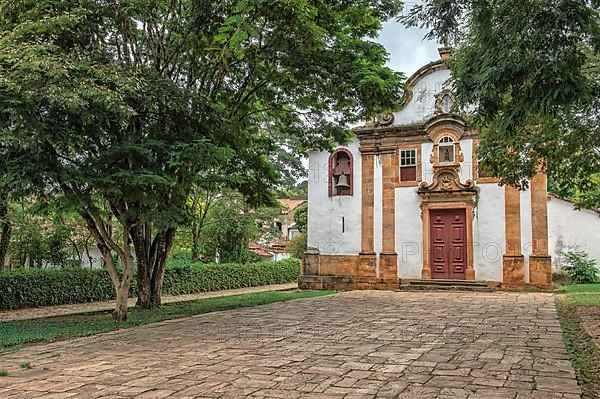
43 287
214 277
297 246
581 269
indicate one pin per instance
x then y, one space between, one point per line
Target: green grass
3 373
583 294
15 333
585 355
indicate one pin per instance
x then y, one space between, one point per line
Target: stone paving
361 344
76 308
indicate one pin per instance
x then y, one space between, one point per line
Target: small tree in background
581 269
227 232
298 244
301 217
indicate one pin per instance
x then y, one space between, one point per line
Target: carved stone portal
447 192
446 179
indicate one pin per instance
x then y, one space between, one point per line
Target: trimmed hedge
44 287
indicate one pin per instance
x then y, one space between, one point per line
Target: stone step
444 285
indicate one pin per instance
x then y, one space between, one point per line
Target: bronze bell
342 182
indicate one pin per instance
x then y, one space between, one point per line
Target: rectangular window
408 165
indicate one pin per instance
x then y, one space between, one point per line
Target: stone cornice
369 136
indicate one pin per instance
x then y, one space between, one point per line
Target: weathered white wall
488 233
325 213
94 260
466 168
422 104
426 167
570 229
409 233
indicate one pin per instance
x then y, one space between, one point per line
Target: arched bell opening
341 173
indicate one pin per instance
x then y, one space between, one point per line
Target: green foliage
3 373
116 110
527 74
39 330
43 287
295 190
301 217
42 237
581 269
214 277
29 288
227 231
297 246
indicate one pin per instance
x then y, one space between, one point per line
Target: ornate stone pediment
381 120
446 180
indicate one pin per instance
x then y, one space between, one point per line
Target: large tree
527 72
116 109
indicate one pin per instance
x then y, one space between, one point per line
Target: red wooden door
448 244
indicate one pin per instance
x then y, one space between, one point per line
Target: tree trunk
98 229
195 242
144 290
152 258
6 230
120 312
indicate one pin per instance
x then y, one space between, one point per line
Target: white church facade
406 199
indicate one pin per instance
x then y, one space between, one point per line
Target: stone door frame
464 201
448 236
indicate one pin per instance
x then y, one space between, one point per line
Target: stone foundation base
540 271
513 270
367 265
346 283
388 266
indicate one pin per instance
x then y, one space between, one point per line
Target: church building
406 200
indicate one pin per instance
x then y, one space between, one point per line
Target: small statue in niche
447 155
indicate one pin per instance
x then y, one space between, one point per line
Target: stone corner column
513 261
367 262
426 271
309 278
310 262
388 259
470 268
540 262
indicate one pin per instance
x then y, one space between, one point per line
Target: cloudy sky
407 48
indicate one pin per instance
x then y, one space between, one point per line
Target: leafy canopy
130 102
117 109
527 72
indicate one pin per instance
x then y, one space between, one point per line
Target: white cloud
407 47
